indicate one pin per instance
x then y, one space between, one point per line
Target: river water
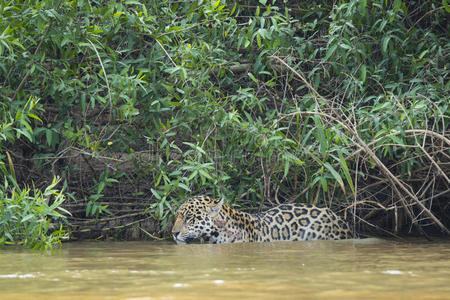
351 269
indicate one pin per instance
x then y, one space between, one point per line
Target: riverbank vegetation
137 105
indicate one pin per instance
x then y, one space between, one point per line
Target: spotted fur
210 220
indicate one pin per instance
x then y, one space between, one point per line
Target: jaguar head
194 219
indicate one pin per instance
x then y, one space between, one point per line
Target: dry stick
167 54
151 235
90 166
408 209
85 222
378 228
426 132
310 87
374 211
434 163
384 204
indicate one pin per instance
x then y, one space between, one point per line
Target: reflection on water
285 270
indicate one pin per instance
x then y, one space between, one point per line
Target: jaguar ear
215 208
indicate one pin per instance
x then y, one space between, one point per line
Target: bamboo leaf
385 42
156 194
216 4
320 134
363 73
346 171
323 182
205 174
330 52
335 175
26 218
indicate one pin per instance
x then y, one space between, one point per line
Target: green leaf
330 52
100 187
447 7
195 173
335 175
286 168
320 134
346 171
26 218
423 54
252 77
9 236
49 137
323 182
363 7
397 4
25 133
258 40
397 140
89 209
184 187
233 9
385 43
363 73
216 4
64 210
205 174
346 47
155 193
195 147
34 117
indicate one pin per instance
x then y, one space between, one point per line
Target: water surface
352 269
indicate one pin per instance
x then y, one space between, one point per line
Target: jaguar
209 220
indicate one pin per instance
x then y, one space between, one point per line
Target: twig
151 235
167 54
85 222
310 87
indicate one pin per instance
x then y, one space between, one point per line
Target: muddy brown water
352 269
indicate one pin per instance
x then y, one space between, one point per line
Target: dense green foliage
25 216
142 104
